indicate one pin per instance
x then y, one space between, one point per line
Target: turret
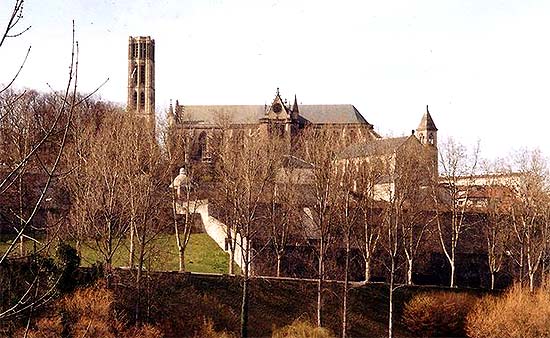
427 131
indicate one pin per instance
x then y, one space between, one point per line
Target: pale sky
483 67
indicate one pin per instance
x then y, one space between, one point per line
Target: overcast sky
483 67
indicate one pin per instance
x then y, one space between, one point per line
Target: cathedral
280 117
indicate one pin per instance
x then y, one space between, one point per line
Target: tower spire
295 112
427 131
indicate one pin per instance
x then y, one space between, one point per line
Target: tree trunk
181 255
320 287
452 262
21 224
390 311
78 247
367 270
131 253
409 271
21 247
245 298
345 297
279 259
231 258
521 267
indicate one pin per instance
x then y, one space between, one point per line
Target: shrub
69 262
302 329
88 312
438 314
207 331
517 313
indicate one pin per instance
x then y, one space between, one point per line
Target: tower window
134 100
142 74
135 53
141 50
142 101
203 151
134 75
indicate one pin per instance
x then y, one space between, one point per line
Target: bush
208 331
438 314
69 261
302 329
517 313
88 312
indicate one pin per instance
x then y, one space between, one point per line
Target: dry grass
438 314
516 314
208 331
302 329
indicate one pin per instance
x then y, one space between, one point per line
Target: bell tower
427 131
141 77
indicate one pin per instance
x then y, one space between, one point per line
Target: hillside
181 302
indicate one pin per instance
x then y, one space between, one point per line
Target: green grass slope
202 254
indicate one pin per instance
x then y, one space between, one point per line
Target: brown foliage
88 312
438 314
517 313
302 329
207 330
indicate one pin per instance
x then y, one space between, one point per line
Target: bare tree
496 224
100 203
451 197
320 148
249 162
349 215
529 213
13 29
283 214
52 134
367 175
414 176
179 144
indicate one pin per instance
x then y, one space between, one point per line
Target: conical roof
427 123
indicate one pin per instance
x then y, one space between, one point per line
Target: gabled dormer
278 111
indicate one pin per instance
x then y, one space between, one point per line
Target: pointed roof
427 123
295 105
278 108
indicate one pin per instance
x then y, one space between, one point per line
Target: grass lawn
202 254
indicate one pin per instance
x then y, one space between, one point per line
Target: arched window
203 146
134 100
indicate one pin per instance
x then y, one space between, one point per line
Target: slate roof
251 114
374 147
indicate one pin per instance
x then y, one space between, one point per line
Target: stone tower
141 77
427 131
